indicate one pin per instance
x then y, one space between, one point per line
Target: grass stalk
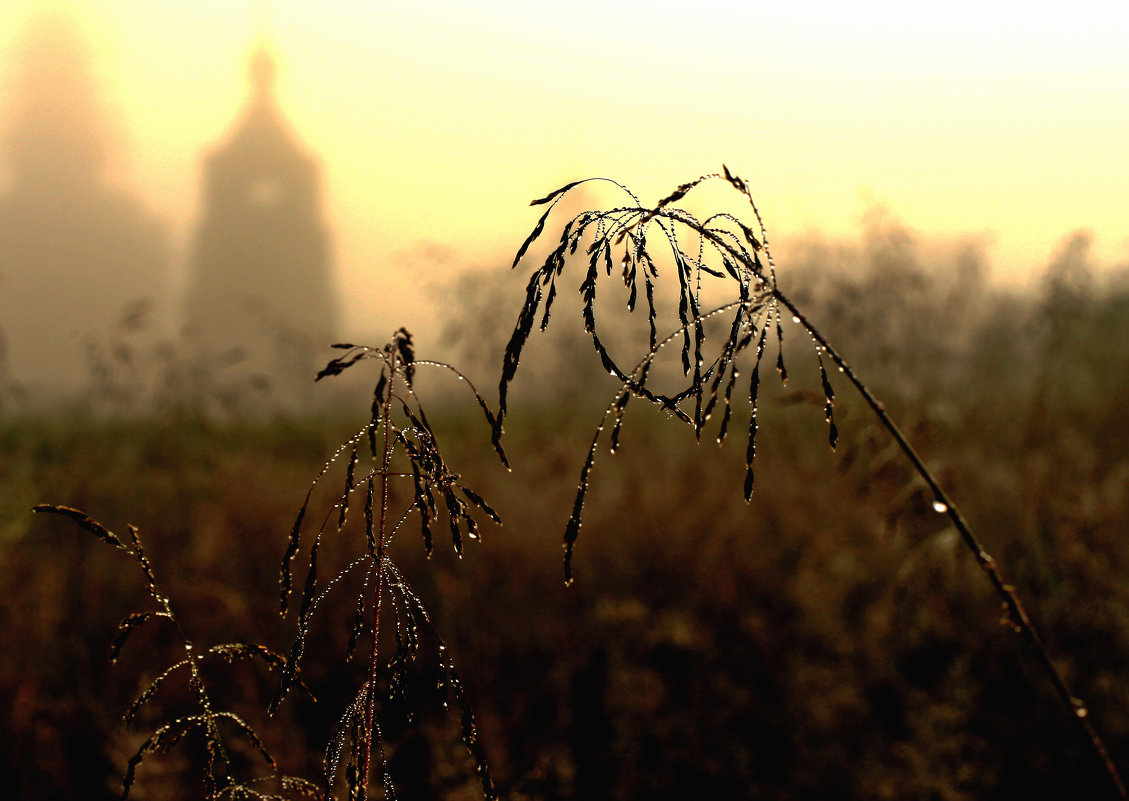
1017 617
217 779
406 437
382 528
726 248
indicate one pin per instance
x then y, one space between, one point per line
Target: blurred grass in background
829 640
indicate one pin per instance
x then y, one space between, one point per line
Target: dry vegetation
832 639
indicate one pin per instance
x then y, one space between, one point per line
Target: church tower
260 278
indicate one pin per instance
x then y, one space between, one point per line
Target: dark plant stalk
218 781
374 658
758 310
398 410
1017 617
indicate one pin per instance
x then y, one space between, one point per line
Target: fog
407 146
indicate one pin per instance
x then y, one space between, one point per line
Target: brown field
830 640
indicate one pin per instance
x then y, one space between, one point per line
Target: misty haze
853 476
77 255
85 264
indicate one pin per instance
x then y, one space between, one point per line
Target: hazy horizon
435 124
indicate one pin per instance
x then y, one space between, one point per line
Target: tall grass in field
398 428
767 621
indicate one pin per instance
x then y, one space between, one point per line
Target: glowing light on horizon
439 121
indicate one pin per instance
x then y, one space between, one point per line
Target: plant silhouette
719 246
207 720
398 428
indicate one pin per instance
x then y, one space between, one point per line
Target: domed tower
260 279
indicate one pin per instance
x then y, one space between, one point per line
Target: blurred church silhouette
260 282
79 257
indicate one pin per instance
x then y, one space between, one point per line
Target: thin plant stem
374 653
1017 616
739 250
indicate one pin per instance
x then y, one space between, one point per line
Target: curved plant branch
1017 616
723 247
218 783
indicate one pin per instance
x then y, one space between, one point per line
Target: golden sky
437 122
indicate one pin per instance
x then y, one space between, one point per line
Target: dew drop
1081 711
795 319
939 507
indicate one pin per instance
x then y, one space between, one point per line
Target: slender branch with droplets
402 446
381 532
758 309
1017 615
